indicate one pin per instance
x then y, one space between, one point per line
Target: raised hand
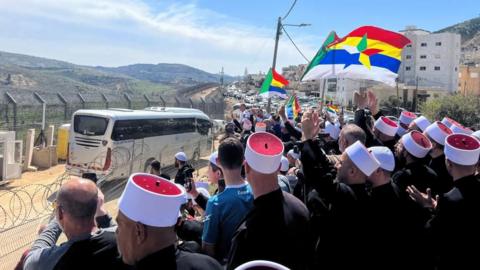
281 112
372 102
360 100
423 199
310 125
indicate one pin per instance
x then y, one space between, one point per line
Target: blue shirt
224 213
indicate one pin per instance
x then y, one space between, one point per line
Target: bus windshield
90 125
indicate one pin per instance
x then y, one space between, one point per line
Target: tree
464 109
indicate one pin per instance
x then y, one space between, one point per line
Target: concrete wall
469 80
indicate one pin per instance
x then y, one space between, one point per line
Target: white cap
181 156
438 132
246 124
422 122
151 200
449 122
416 144
407 117
293 154
213 158
332 130
284 164
386 126
384 156
476 134
458 129
265 265
362 158
264 152
260 127
401 131
462 149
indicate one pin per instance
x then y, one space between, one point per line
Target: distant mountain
470 34
29 73
166 73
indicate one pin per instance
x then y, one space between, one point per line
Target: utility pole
415 92
277 38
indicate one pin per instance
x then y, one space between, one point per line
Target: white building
432 59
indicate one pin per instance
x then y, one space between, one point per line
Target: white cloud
184 33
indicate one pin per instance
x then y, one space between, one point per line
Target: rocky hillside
470 32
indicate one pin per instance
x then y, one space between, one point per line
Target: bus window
90 125
203 126
144 128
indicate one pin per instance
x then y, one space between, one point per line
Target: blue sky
206 34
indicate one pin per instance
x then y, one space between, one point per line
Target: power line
295 45
288 13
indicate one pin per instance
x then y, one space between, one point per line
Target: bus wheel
147 166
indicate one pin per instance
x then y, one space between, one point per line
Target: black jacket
454 228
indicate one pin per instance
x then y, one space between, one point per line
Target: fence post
177 102
105 99
14 103
65 106
129 100
163 101
204 107
82 100
44 109
147 99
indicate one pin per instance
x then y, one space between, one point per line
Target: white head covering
476 134
407 117
264 265
458 129
181 156
213 158
449 122
462 149
362 158
332 130
284 164
384 156
293 154
438 132
416 144
151 200
422 122
386 126
260 127
263 152
201 190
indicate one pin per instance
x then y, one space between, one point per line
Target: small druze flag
273 85
369 53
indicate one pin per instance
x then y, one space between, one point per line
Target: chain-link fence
24 110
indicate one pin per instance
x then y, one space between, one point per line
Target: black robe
445 181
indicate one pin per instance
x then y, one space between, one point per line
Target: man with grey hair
79 213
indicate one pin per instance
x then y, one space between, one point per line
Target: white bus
115 143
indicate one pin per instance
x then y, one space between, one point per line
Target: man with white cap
419 124
384 131
276 229
215 177
147 213
227 209
454 227
404 121
410 151
283 181
392 216
460 129
437 132
182 166
476 134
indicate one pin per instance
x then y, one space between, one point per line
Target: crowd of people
307 193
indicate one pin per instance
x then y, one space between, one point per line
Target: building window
423 56
424 44
437 56
438 43
456 69
407 68
437 68
408 57
409 45
423 68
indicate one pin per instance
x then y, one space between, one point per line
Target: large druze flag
369 53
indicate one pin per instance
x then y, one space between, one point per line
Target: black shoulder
295 204
195 261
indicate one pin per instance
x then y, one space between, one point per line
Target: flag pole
323 93
277 37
